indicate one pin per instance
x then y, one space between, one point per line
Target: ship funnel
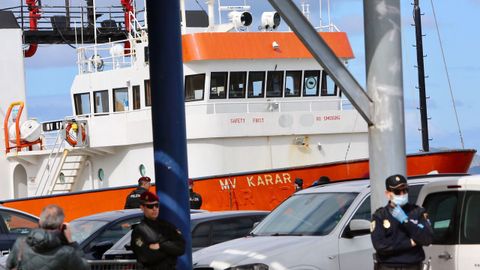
270 20
240 19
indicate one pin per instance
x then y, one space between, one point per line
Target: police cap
144 179
148 197
396 181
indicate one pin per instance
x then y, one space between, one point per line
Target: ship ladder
51 164
70 167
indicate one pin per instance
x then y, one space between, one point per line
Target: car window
82 229
18 223
307 214
470 231
201 235
116 231
413 191
228 229
364 211
442 210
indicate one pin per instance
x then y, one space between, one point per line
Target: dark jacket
45 250
195 200
391 239
171 242
133 199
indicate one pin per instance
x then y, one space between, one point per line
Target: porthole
101 174
61 177
142 169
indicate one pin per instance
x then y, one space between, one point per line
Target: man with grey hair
49 247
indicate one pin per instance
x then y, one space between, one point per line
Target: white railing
269 105
107 56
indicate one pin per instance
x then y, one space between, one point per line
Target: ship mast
421 76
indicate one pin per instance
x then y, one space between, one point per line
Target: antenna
306 9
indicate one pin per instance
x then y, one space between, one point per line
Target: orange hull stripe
257 191
256 45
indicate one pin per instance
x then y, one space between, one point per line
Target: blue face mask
400 200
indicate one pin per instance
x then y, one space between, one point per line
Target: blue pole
168 118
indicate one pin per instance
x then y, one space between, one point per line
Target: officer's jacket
195 200
133 199
170 239
391 239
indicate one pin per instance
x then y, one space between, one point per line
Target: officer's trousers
406 267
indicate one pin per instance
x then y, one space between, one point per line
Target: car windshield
82 229
306 214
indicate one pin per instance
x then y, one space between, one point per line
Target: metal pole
168 118
421 76
383 50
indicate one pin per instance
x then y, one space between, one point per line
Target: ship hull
261 190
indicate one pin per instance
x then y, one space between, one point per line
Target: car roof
363 185
111 215
17 211
224 214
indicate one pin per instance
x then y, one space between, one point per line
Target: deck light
270 20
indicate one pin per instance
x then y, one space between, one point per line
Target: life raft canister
71 133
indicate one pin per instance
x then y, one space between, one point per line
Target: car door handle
446 256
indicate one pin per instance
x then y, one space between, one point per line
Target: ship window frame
136 97
148 93
215 94
317 86
250 86
114 102
299 74
95 102
325 85
79 109
269 90
187 80
242 92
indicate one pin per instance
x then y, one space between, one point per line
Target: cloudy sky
51 71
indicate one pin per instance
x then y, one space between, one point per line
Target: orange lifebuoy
72 141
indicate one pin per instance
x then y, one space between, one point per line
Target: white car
454 211
323 227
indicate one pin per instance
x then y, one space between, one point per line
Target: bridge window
120 99
274 83
237 85
136 97
329 88
101 101
293 82
148 93
311 83
218 85
194 87
82 103
256 84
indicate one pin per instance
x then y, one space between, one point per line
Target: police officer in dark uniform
133 199
195 198
298 184
400 229
156 243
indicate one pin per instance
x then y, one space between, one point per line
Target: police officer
195 198
400 229
298 184
156 243
133 199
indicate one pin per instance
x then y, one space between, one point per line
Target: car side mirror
357 227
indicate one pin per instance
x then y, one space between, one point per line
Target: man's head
52 217
190 184
298 183
397 189
149 205
144 182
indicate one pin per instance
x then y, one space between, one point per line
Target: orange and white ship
260 112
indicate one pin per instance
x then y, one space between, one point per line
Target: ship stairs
63 166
